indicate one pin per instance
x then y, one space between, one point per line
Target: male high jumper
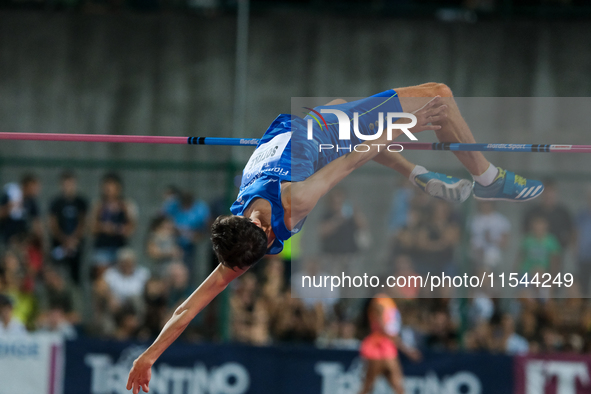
288 173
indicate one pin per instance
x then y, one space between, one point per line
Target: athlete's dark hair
238 242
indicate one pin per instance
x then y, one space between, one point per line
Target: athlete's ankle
418 170
488 176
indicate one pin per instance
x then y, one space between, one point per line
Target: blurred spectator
177 282
296 322
56 322
341 225
55 293
102 322
8 324
190 218
306 284
405 241
408 287
583 221
401 206
127 323
250 318
480 338
24 302
346 337
113 222
511 342
556 214
162 245
19 210
67 226
489 235
540 250
441 334
481 309
437 239
273 282
126 280
156 304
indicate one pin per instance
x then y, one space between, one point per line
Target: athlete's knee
441 89
337 102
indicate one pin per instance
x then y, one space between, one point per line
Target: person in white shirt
9 326
489 235
126 280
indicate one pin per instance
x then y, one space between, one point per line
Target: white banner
31 365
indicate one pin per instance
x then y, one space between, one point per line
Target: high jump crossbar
145 139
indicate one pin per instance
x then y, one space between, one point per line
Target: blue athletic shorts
306 157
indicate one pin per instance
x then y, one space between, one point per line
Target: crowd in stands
126 293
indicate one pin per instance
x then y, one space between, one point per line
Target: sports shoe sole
509 199
457 192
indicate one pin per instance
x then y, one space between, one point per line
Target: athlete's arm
139 376
411 352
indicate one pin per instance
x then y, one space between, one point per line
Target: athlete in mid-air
288 174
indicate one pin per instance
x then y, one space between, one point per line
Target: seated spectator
340 223
346 338
480 338
400 206
19 210
303 287
273 282
540 250
408 282
190 218
555 213
583 222
437 239
156 304
8 324
67 226
250 319
489 236
177 283
297 323
162 246
126 281
441 333
112 223
56 293
56 322
405 239
24 301
104 305
127 323
511 342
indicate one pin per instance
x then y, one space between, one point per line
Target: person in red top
380 347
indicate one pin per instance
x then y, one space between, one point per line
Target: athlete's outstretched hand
139 376
430 115
414 354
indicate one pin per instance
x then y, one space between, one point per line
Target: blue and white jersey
285 154
269 165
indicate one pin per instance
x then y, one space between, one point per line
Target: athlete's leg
453 126
394 375
374 369
491 183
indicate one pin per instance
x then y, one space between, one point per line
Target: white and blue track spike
444 187
507 186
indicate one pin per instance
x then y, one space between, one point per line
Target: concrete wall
173 75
